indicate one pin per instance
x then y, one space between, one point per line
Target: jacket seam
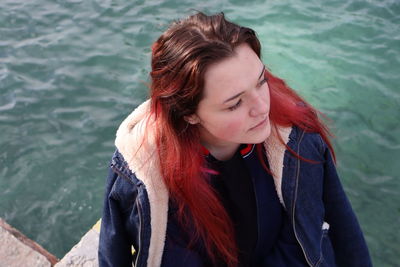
295 200
324 234
322 146
138 249
122 175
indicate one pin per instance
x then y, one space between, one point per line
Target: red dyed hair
180 58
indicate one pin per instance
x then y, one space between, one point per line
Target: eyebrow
239 94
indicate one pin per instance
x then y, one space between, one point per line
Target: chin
262 136
265 134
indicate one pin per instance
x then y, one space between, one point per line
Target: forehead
232 75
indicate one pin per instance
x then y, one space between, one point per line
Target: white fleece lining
144 163
275 151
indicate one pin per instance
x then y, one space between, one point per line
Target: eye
263 81
232 108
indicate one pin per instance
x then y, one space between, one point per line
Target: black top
235 188
264 239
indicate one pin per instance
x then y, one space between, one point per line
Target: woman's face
235 104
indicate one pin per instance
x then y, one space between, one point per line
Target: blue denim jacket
136 203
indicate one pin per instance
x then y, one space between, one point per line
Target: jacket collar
141 157
245 150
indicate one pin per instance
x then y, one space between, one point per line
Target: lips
259 124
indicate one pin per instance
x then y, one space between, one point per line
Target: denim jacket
136 202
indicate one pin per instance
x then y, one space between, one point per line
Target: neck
220 149
221 152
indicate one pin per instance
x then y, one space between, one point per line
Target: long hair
180 58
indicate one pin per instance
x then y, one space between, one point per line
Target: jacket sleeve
344 232
114 243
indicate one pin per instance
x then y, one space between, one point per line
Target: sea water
70 71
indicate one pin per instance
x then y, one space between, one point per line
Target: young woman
224 165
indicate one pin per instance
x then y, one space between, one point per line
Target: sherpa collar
141 157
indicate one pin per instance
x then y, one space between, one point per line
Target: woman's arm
114 244
345 233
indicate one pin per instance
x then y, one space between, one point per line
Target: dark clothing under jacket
136 202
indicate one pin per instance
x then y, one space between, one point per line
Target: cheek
229 129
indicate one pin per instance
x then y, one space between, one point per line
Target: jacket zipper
140 229
294 205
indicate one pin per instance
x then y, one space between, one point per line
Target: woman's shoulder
306 142
294 136
300 134
121 166
122 183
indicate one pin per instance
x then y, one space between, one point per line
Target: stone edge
28 242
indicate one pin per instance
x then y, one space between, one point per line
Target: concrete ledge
18 250
83 254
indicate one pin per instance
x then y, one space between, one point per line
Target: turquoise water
70 71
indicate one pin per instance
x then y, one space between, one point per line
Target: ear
192 119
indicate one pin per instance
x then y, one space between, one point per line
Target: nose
259 104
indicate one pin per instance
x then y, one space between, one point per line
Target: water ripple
70 71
